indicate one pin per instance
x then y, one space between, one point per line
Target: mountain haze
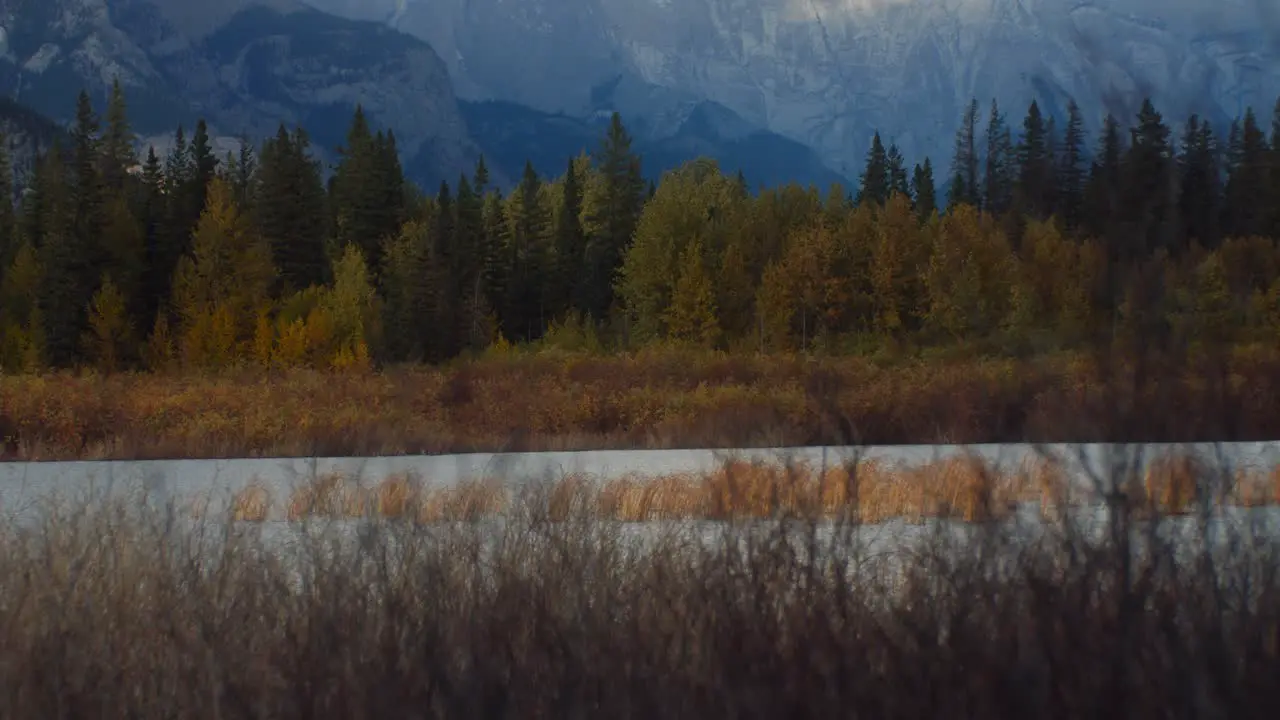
828 73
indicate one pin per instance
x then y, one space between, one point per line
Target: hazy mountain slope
510 133
829 72
244 65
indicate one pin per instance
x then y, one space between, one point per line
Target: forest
1043 240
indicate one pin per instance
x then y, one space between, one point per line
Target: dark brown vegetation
114 611
654 399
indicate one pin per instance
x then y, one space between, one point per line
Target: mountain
511 133
26 135
828 73
244 65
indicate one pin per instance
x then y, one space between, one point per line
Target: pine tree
997 185
1199 193
1248 175
524 312
876 180
623 195
481 178
1148 186
1070 180
9 238
73 258
1035 166
367 190
923 191
1102 193
118 155
898 180
570 241
151 212
290 209
963 188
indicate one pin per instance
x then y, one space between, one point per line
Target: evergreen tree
290 209
963 188
876 181
524 313
1035 166
1248 177
118 155
623 195
1149 186
481 178
997 178
570 241
152 213
73 259
922 190
898 181
1102 193
1070 180
1198 201
367 190
9 238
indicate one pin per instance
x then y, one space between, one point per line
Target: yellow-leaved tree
21 329
695 203
110 328
220 285
691 316
969 275
352 305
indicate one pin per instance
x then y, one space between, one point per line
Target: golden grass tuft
251 504
466 501
330 495
398 496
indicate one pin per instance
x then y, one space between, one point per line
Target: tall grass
113 610
655 399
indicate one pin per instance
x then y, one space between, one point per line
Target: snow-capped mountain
829 72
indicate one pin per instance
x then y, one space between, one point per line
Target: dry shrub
251 503
330 495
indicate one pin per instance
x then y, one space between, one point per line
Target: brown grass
961 486
114 611
651 399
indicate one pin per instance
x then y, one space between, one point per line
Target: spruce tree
963 188
997 185
923 191
570 241
9 238
118 155
1102 191
1070 179
624 196
1248 176
1035 166
289 209
524 312
875 185
1199 191
898 181
1148 186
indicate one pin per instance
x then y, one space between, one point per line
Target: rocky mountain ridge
828 73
